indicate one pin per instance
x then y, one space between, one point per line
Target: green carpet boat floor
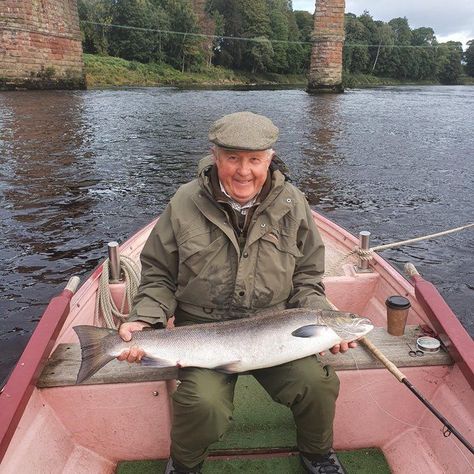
261 425
362 461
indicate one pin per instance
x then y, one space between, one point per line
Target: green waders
203 406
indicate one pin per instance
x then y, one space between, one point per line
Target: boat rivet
263 225
155 393
288 200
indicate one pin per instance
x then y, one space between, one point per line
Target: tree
381 61
140 44
305 22
401 30
260 55
94 36
356 50
298 55
256 25
469 58
423 37
183 51
279 32
449 62
228 52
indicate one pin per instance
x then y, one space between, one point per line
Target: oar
402 378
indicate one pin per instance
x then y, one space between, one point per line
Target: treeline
262 32
261 36
393 49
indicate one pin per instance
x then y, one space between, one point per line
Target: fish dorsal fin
311 330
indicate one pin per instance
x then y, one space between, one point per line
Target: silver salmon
239 345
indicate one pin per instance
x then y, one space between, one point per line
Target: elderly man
237 240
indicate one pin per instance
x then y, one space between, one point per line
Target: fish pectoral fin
152 362
229 367
311 330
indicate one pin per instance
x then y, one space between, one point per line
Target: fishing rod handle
390 365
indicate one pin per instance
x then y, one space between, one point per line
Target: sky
451 20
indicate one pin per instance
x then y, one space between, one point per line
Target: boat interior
119 419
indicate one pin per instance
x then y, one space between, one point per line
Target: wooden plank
63 366
395 348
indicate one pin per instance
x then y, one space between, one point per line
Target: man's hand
134 354
342 347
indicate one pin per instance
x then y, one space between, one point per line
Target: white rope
105 306
367 254
417 239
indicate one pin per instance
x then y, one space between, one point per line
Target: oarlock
364 241
114 262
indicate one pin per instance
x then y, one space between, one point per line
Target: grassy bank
106 71
367 80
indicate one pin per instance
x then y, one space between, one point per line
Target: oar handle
73 284
390 365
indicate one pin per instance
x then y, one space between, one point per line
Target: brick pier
40 45
325 74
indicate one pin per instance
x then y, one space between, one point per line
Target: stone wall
40 44
325 74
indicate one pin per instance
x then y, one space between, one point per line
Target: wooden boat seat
63 365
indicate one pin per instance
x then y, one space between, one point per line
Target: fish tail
94 357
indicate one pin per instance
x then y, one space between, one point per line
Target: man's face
242 172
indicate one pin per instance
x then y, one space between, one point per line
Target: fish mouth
351 327
361 326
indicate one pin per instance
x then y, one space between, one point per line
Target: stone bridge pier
40 45
325 74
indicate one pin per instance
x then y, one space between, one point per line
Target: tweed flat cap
244 131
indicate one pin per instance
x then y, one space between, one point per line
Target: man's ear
214 153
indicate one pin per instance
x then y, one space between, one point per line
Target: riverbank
107 71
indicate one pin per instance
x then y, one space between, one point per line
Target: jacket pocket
196 251
282 242
277 254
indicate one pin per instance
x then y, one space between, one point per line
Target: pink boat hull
89 428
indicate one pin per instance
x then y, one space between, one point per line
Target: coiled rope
105 306
367 254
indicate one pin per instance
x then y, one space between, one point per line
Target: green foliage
103 71
469 58
261 36
394 50
137 40
46 73
449 62
95 37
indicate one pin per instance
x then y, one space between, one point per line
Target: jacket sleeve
308 288
155 302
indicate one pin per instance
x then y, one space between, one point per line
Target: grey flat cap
244 131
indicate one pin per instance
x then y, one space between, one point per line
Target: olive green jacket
193 268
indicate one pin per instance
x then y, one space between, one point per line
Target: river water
79 169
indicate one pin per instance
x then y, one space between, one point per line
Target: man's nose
244 167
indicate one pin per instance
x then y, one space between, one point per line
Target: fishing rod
403 379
